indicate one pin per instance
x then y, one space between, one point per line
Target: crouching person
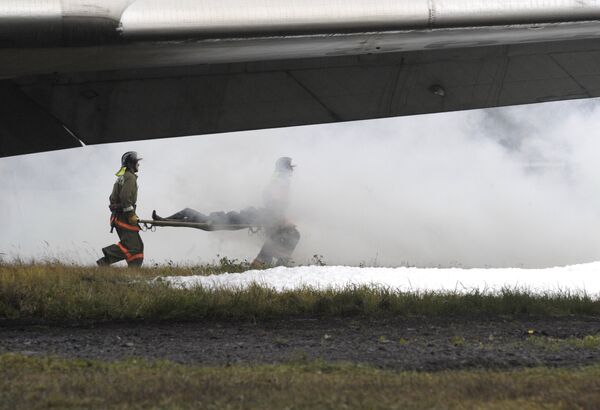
124 219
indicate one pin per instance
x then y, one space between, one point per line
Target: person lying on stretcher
282 237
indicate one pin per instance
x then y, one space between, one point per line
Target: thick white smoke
505 187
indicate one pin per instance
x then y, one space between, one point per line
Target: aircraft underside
62 94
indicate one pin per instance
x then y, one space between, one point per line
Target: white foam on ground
575 279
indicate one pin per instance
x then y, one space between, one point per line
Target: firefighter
123 218
282 236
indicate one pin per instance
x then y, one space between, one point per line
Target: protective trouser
189 215
278 247
129 248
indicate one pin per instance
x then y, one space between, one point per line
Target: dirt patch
403 344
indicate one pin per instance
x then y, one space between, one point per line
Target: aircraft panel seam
432 13
571 76
332 113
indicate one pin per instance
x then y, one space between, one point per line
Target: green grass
35 383
57 293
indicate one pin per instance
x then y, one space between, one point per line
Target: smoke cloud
503 187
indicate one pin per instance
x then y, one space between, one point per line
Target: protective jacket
276 196
124 194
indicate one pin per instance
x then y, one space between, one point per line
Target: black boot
135 264
155 217
102 261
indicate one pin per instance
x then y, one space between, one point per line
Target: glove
133 219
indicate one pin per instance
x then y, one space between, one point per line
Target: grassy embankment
58 293
29 382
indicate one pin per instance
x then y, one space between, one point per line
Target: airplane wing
76 72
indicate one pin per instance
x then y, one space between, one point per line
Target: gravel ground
403 344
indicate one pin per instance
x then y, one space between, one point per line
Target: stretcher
204 226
